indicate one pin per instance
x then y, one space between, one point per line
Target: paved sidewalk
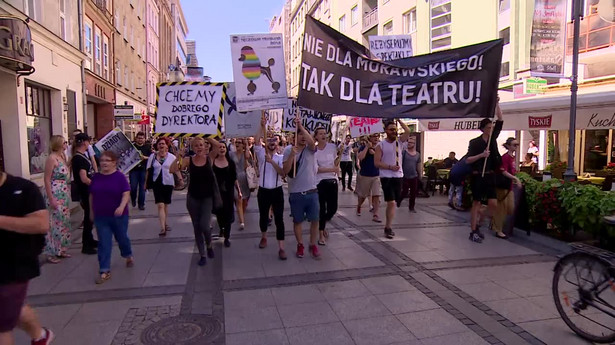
429 285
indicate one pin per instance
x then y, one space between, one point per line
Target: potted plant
608 170
557 169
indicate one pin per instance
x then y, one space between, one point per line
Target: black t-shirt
478 145
19 252
146 150
80 162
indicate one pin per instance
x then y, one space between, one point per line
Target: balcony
595 34
370 19
101 4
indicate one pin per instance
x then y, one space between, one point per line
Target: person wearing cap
89 153
83 169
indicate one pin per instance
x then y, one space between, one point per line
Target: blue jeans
105 228
304 207
458 191
137 184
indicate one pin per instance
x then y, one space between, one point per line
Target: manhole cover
184 329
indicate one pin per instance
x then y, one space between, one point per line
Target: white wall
14 133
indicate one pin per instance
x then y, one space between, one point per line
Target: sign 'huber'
337 76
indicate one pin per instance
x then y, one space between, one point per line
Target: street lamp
570 174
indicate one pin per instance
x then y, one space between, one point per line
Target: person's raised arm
404 137
310 142
262 132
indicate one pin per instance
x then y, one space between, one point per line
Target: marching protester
24 221
327 162
270 193
504 187
202 191
346 163
83 169
483 148
159 176
368 181
109 197
300 169
411 167
242 158
225 172
388 159
137 174
57 179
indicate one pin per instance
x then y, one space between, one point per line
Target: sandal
64 256
52 260
321 243
103 277
162 233
167 228
502 236
325 233
130 262
376 219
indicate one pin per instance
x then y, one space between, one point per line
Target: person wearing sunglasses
504 187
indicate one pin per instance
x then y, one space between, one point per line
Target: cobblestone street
429 285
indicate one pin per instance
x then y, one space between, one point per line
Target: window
505 35
106 58
505 69
354 15
126 76
87 37
63 19
504 5
38 122
409 21
97 51
31 8
595 147
132 35
387 28
342 23
118 72
440 20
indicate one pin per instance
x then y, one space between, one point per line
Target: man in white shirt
388 158
270 194
299 166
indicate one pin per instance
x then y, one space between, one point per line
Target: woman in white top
162 165
328 167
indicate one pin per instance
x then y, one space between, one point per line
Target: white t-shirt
391 155
533 151
346 151
325 158
268 176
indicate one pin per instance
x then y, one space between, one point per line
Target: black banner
337 76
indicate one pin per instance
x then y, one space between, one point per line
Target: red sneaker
314 251
46 340
300 250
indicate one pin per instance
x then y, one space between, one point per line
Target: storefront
39 97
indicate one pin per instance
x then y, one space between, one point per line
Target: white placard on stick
390 47
189 107
360 126
116 141
274 119
310 119
258 71
238 124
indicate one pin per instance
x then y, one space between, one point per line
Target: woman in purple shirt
109 197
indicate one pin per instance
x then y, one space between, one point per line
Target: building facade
153 53
130 60
42 97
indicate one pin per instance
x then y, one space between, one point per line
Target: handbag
252 177
149 182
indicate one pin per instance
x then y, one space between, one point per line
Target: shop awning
594 111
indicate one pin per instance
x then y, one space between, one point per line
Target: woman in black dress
226 176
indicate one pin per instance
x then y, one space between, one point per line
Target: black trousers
87 238
346 168
271 198
327 197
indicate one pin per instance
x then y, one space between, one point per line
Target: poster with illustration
258 71
239 124
116 141
360 126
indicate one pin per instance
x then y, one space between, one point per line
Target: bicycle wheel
584 294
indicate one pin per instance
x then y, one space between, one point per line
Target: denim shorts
304 207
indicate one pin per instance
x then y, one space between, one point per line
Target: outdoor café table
598 181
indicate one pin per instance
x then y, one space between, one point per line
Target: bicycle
584 291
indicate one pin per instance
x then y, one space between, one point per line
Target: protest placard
116 141
189 107
258 71
239 124
390 47
337 77
311 119
360 126
274 119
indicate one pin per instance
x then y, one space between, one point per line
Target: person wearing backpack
483 154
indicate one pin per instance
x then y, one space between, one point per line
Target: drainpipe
84 95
